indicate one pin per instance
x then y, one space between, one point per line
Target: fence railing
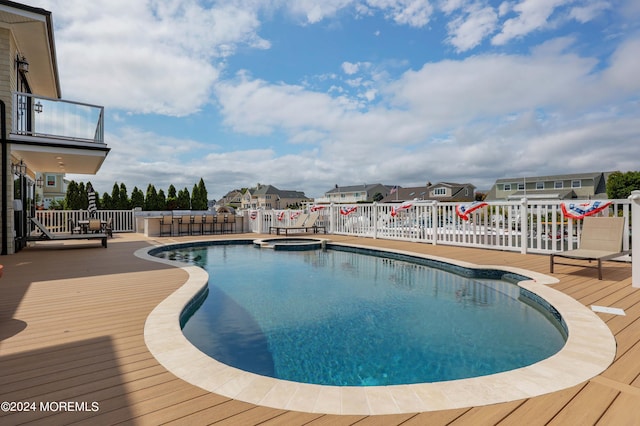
524 226
60 220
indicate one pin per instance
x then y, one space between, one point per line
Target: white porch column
635 238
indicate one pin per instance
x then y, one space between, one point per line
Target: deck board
72 322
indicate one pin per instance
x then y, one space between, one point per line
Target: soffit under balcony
61 159
32 31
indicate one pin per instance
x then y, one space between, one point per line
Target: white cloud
589 11
151 56
415 13
467 32
532 15
350 68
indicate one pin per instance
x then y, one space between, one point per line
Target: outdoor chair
74 227
108 227
229 223
601 240
184 221
166 225
300 224
197 223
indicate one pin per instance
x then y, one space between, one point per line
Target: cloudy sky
307 94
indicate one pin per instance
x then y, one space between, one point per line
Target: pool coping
589 350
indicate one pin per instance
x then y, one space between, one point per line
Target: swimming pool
349 318
589 350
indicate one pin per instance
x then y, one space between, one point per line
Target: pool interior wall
589 350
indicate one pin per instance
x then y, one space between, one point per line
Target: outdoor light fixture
22 63
39 182
19 169
38 107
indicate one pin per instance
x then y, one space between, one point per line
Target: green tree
115 196
172 198
137 198
162 201
620 185
107 202
184 200
199 196
72 197
151 198
124 202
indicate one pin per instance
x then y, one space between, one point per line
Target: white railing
60 220
526 226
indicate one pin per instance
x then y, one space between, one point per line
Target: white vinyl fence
60 220
524 226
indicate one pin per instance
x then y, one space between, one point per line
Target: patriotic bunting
253 215
281 216
316 208
403 206
347 210
579 211
464 210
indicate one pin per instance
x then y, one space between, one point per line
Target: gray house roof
358 188
599 186
423 193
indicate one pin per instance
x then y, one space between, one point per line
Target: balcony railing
41 117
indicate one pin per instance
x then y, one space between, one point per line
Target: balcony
53 135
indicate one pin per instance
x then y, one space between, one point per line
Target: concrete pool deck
589 350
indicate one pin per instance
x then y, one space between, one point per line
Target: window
576 184
539 185
51 180
507 187
466 192
558 184
521 187
440 191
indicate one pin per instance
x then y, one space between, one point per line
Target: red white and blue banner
281 215
403 206
253 215
316 208
580 210
295 214
345 211
464 210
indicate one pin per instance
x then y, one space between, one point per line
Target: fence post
635 238
524 225
374 213
434 223
333 225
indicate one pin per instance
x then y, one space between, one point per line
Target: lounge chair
298 225
46 235
601 239
312 223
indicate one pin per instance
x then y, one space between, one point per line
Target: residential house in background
441 191
355 194
268 197
583 186
231 198
45 133
50 188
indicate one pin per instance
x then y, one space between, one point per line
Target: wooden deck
71 330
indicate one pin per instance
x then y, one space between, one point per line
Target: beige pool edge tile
589 350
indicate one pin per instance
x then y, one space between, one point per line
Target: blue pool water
350 319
